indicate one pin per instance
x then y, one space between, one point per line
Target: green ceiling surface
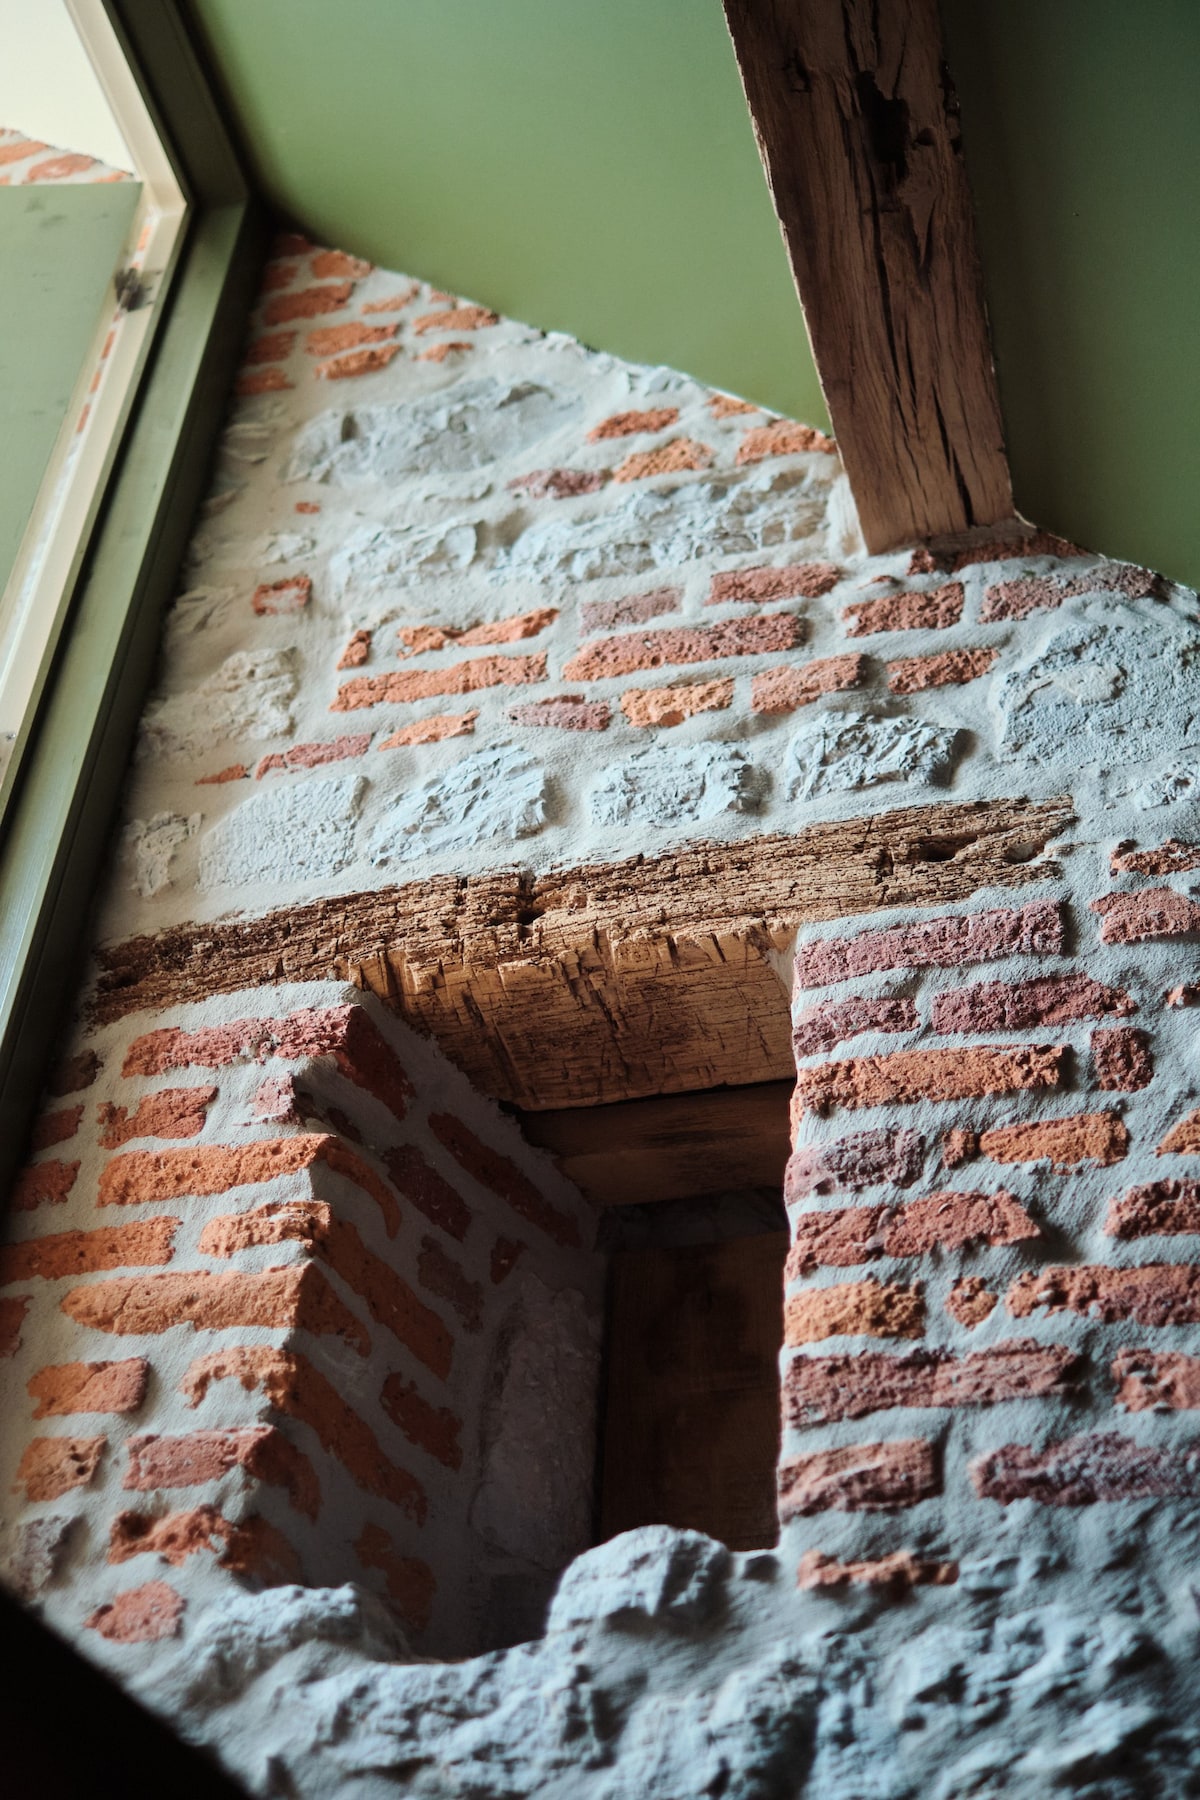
587 168
591 168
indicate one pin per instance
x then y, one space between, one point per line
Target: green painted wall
1082 131
59 247
589 168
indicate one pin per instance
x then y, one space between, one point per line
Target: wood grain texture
857 125
671 1147
647 976
691 1425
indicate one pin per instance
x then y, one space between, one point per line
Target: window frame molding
58 828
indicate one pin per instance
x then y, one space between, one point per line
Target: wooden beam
653 975
857 125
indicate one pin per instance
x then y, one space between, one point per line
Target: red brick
1035 929
797 581
863 1159
504 1178
1082 1470
393 302
566 712
313 756
234 772
43 1184
783 437
358 649
1156 1209
959 1145
293 1299
506 631
898 1572
822 1027
141 1176
457 318
72 1076
952 1221
357 362
1157 1380
932 611
820 1389
403 685
1183 1139
634 651
970 1301
784 689
79 1387
951 555
270 380
1080 1137
142 1615
1017 599
331 340
388 1297
907 1077
726 406
169 1113
950 668
430 1192
437 353
441 1275
432 1428
288 595
859 1478
559 484
664 706
79 1252
51 1466
253 1547
203 1457
308 303
410 1583
666 459
1018 1005
1150 913
432 731
867 1308
633 609
336 262
1151 1294
294 1387
1169 859
1123 1060
278 275
505 1255
626 424
275 346
12 1317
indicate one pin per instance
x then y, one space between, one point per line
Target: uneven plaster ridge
503 670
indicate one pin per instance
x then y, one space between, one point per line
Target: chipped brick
296 1299
437 353
859 1478
820 1389
433 730
1169 859
666 459
328 263
1150 913
43 1184
867 1308
558 484
203 1457
81 1387
55 1127
948 556
393 302
274 346
288 595
72 1076
12 1317
970 1301
403 685
1035 929
1018 1005
425 1189
307 303
632 609
51 1466
565 712
726 406
899 1572
142 1615
950 668
314 756
784 689
506 1253
1167 1208
626 424
822 1027
663 706
1082 1470
357 362
169 1113
844 1236
907 1077
932 611
1157 1380
959 1145
797 581
1123 1060
358 649
863 1159
1017 599
1152 1294
410 1583
783 437
253 1547
270 380
635 651
65 1253
234 772
441 1275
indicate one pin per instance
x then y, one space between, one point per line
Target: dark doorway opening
693 1223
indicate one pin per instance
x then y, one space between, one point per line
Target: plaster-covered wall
465 596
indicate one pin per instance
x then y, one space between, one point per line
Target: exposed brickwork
254 1547
635 651
13 1308
420 1184
849 1235
1123 1060
908 1076
1065 1143
170 1113
862 1159
55 1127
329 340
75 1074
1018 1005
457 318
274 346
796 581
432 731
631 609
51 1466
951 555
1151 913
1169 859
859 1478
1017 599
1155 1209
43 1184
949 668
419 638
307 303
898 1572
818 1389
288 595
559 484
823 1027
330 263
442 1276
672 705
783 690
1183 1139
357 651
433 1428
853 1309
959 1145
143 1305
783 437
566 712
79 1252
403 685
203 1457
1153 1294
313 756
409 1582
142 1615
1035 929
970 1301
932 611
666 459
503 1177
506 1253
79 1387
1081 1470
625 424
1157 1380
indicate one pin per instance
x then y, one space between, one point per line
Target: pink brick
638 650
1018 1005
782 690
403 685
1035 929
907 1077
1149 913
797 581
822 1027
932 611
632 609
312 756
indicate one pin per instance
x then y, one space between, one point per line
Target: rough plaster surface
417 513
